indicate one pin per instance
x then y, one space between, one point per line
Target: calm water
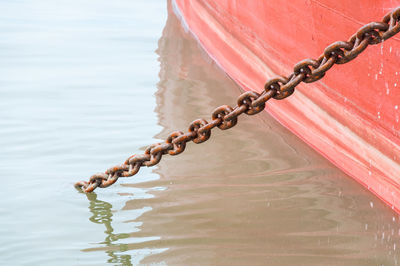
85 84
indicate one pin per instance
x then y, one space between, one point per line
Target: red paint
352 115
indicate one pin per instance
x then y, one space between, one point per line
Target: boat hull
351 116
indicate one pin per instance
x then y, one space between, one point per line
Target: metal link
225 117
195 126
305 66
393 20
221 112
155 157
247 99
372 31
109 181
294 80
335 50
176 147
133 169
274 85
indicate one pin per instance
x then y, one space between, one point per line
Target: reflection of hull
245 197
352 115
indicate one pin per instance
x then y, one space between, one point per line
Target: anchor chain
250 102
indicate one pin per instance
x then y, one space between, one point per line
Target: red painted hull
352 115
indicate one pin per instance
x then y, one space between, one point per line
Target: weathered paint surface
352 115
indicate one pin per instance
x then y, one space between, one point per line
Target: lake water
83 85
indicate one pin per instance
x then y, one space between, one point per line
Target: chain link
250 102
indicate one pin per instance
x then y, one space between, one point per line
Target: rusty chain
250 102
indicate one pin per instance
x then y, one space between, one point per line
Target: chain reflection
102 214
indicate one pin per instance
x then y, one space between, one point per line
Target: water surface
84 85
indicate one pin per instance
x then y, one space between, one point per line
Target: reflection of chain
102 214
224 117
